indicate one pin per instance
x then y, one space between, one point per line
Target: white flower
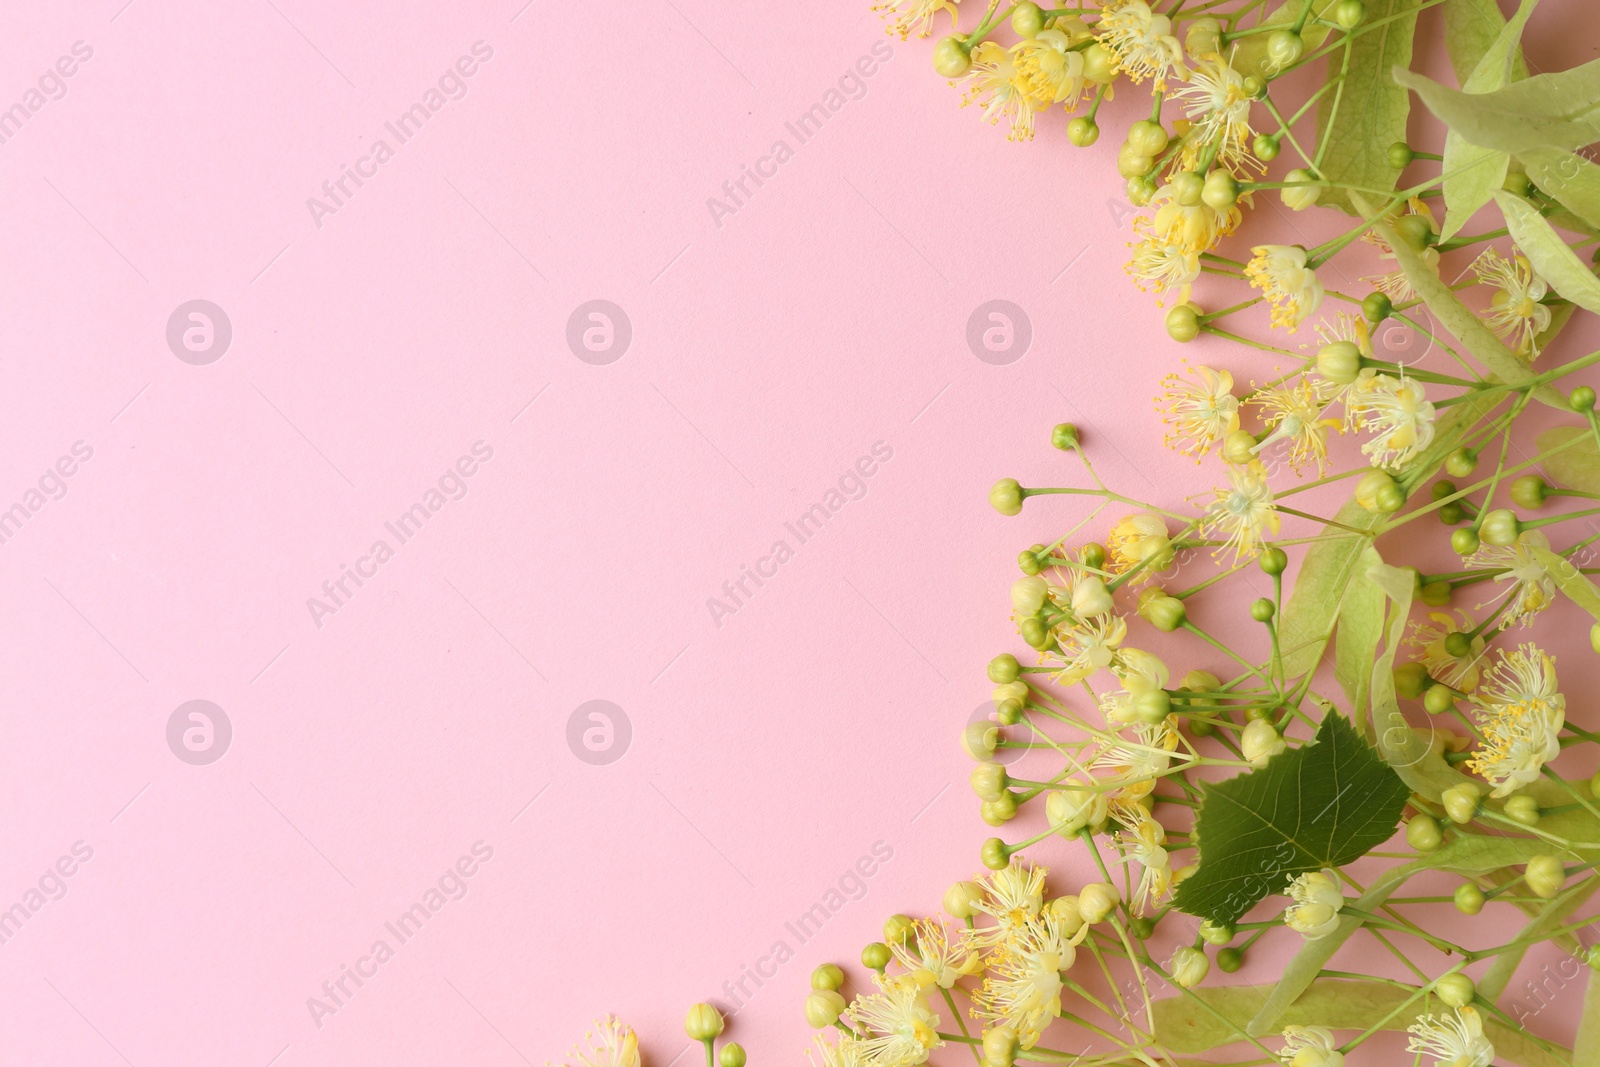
1200 411
900 1029
615 1045
1137 540
1295 415
1260 742
904 16
1242 512
1144 680
842 1053
1004 93
1022 989
1515 312
1216 102
1012 896
1521 720
1086 647
1028 595
1142 40
1458 672
1452 1040
1399 411
1317 900
1280 272
1309 1046
1146 845
1050 69
1159 267
1532 587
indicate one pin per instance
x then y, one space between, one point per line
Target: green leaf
1356 638
1472 174
1586 1049
1460 321
1470 28
1551 257
1359 120
1551 917
1202 1019
1317 805
1576 466
1249 54
1577 588
1570 178
1560 110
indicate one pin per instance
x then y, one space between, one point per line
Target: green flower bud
1220 191
896 928
1134 164
732 1055
1189 964
1458 644
876 956
1273 560
1091 597
1004 668
1284 48
1183 323
1415 230
1229 960
1400 155
1026 19
980 738
1500 527
1523 809
1518 184
951 57
1437 594
1410 679
1461 802
1099 64
1469 899
1265 147
1097 900
995 855
1376 307
1187 187
1217 933
989 780
1349 14
1064 435
1439 699
1442 488
827 976
1082 131
1376 490
999 811
1238 447
1031 560
1148 138
1009 711
1545 875
1254 87
1423 833
1461 463
1339 362
1465 542
1581 399
1529 491
1456 990
1000 1046
703 1022
1451 514
1140 189
1298 196
823 1008
1594 643
1262 610
1142 927
1093 555
961 900
1006 496
1165 613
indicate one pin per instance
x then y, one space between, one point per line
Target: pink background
771 349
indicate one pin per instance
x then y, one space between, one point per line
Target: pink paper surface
804 344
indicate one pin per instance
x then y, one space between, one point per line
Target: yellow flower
1003 89
1219 107
1143 677
1295 416
615 1045
1395 285
1190 228
845 1052
1398 410
1142 41
1532 587
1309 1046
1199 413
1140 540
1158 267
1012 896
1022 988
1048 69
1457 672
1086 646
1515 312
900 1030
1280 272
1521 719
904 16
1452 1040
933 958
1242 512
1144 844
1317 901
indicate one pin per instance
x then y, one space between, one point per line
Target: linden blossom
852 485
851 86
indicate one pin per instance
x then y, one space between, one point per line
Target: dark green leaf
1317 805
